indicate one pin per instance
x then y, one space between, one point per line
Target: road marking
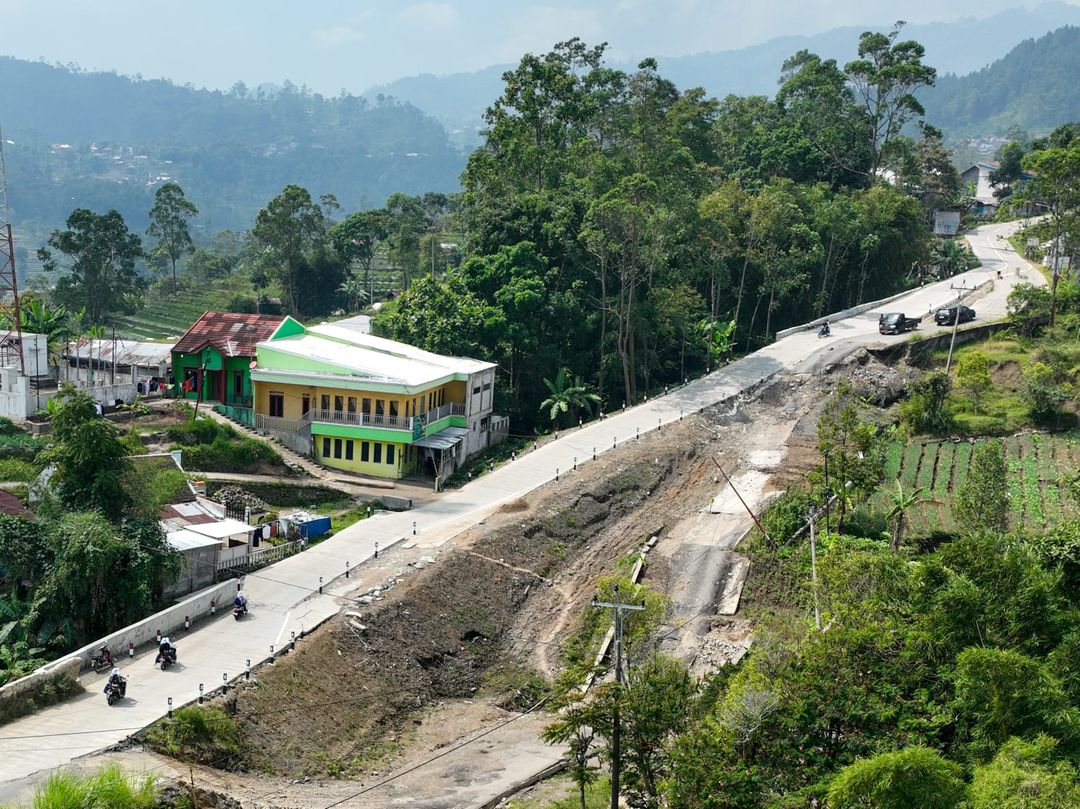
284 623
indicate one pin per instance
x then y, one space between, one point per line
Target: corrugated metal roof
126 352
232 333
184 540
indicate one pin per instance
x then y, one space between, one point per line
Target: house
977 180
373 406
143 366
211 360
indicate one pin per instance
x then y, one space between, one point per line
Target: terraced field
166 317
1035 463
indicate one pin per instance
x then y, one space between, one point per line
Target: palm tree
576 395
353 288
902 503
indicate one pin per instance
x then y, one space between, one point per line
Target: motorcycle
115 691
103 660
239 611
166 658
824 331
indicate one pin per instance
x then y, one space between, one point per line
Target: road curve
284 597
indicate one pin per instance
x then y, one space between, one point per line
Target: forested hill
1034 87
101 140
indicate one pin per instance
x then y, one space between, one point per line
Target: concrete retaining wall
59 670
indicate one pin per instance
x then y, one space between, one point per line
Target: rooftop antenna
11 330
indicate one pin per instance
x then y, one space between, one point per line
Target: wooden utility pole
619 608
956 323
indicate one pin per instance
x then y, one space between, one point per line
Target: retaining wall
168 621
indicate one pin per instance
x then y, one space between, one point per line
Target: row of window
347 404
370 451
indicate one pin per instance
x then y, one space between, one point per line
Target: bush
199 431
8 427
198 734
244 304
17 469
787 513
926 409
225 455
285 495
108 788
20 445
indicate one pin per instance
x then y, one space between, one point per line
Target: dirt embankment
344 702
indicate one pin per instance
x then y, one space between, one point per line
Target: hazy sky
352 44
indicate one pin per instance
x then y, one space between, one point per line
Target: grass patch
108 788
561 792
339 522
199 734
18 469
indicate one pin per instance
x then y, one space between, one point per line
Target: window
476 390
390 453
305 404
487 386
365 454
442 396
324 401
352 404
238 383
365 405
277 404
380 406
348 450
393 408
339 403
326 447
337 448
378 452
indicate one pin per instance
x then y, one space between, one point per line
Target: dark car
947 315
897 323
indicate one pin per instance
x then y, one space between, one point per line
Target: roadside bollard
614 442
376 550
320 585
579 421
200 693
414 528
213 606
187 623
637 431
594 453
346 570
271 653
292 638
575 463
159 637
224 683
556 435
131 649
556 474
247 669
513 455
659 425
170 707
680 414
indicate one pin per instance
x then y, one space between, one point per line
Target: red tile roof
232 333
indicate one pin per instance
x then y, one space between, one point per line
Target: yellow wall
402 465
442 394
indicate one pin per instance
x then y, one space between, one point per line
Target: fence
244 415
263 556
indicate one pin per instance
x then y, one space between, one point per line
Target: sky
334 45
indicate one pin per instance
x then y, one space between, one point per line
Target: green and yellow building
372 406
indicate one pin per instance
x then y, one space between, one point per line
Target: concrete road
284 597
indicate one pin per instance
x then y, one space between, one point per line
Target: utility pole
955 325
619 607
810 520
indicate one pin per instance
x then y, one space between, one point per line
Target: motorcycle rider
116 680
824 331
164 648
240 602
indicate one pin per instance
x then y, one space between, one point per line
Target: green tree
566 395
914 776
1002 693
1045 394
286 232
353 289
1026 775
901 503
101 255
982 502
89 456
169 223
357 239
973 375
926 408
886 77
852 449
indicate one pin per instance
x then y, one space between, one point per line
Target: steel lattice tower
10 316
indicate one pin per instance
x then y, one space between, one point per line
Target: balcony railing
407 423
279 425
